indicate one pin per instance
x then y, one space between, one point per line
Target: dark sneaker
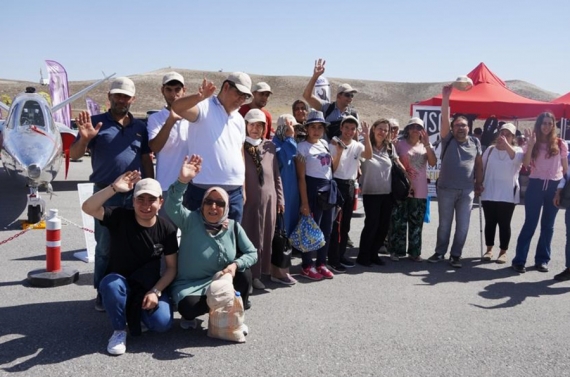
346 262
519 268
542 267
455 261
99 304
436 258
337 268
349 243
563 276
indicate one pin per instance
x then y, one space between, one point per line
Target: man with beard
168 134
118 143
261 93
460 179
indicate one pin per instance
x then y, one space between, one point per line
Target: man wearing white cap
168 133
217 133
118 143
261 93
333 111
132 287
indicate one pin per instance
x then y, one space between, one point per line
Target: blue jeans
194 195
567 222
114 291
452 202
539 196
103 237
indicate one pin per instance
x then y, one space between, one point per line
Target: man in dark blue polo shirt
118 143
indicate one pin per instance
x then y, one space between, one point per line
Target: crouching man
132 287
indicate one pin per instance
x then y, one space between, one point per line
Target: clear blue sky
406 41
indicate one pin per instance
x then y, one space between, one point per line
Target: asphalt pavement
401 319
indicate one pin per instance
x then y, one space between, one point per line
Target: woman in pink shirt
415 152
547 156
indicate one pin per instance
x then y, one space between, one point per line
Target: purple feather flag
92 106
59 91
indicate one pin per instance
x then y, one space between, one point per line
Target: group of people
224 176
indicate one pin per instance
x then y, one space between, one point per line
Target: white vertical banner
85 191
322 89
59 91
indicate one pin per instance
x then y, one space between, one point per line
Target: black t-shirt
134 246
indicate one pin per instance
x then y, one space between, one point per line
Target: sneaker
563 276
394 257
417 258
188 324
455 261
288 280
383 250
325 272
543 267
247 305
519 268
118 343
502 258
311 273
349 243
346 262
436 258
99 303
337 268
488 256
257 284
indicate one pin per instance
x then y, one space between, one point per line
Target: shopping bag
307 235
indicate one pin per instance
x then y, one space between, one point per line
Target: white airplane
33 145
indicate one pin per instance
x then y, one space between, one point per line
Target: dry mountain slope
375 98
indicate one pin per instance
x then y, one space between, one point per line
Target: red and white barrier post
54 275
53 242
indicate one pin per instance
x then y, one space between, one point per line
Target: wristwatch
156 292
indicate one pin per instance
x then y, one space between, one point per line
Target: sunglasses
348 95
241 94
211 202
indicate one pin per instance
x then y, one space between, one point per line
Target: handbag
400 183
307 235
280 246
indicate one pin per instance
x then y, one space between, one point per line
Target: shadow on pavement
518 292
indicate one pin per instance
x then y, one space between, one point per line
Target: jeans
194 195
539 196
567 222
452 202
324 220
103 237
114 291
341 225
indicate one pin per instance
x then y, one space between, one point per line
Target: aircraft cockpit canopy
32 114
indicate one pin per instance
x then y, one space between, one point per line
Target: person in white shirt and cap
217 133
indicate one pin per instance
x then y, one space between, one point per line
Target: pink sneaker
325 272
311 273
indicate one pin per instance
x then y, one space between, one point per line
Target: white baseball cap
172 76
123 85
148 186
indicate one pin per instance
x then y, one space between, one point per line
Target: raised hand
424 137
127 181
530 137
319 67
84 126
446 90
207 89
365 129
190 168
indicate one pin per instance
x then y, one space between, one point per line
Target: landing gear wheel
34 214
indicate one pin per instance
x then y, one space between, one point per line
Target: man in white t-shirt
346 158
168 134
217 133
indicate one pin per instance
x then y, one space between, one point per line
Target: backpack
334 127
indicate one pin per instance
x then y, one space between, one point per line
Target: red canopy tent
490 96
563 99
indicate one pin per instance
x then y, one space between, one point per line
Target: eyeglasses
243 95
211 202
348 95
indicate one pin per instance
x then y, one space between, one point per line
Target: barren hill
375 98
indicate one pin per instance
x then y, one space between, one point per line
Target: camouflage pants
407 217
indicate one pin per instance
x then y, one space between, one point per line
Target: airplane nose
34 171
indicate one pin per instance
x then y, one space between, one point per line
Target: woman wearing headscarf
264 192
210 243
286 149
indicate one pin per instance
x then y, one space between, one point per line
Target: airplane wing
67 137
80 94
